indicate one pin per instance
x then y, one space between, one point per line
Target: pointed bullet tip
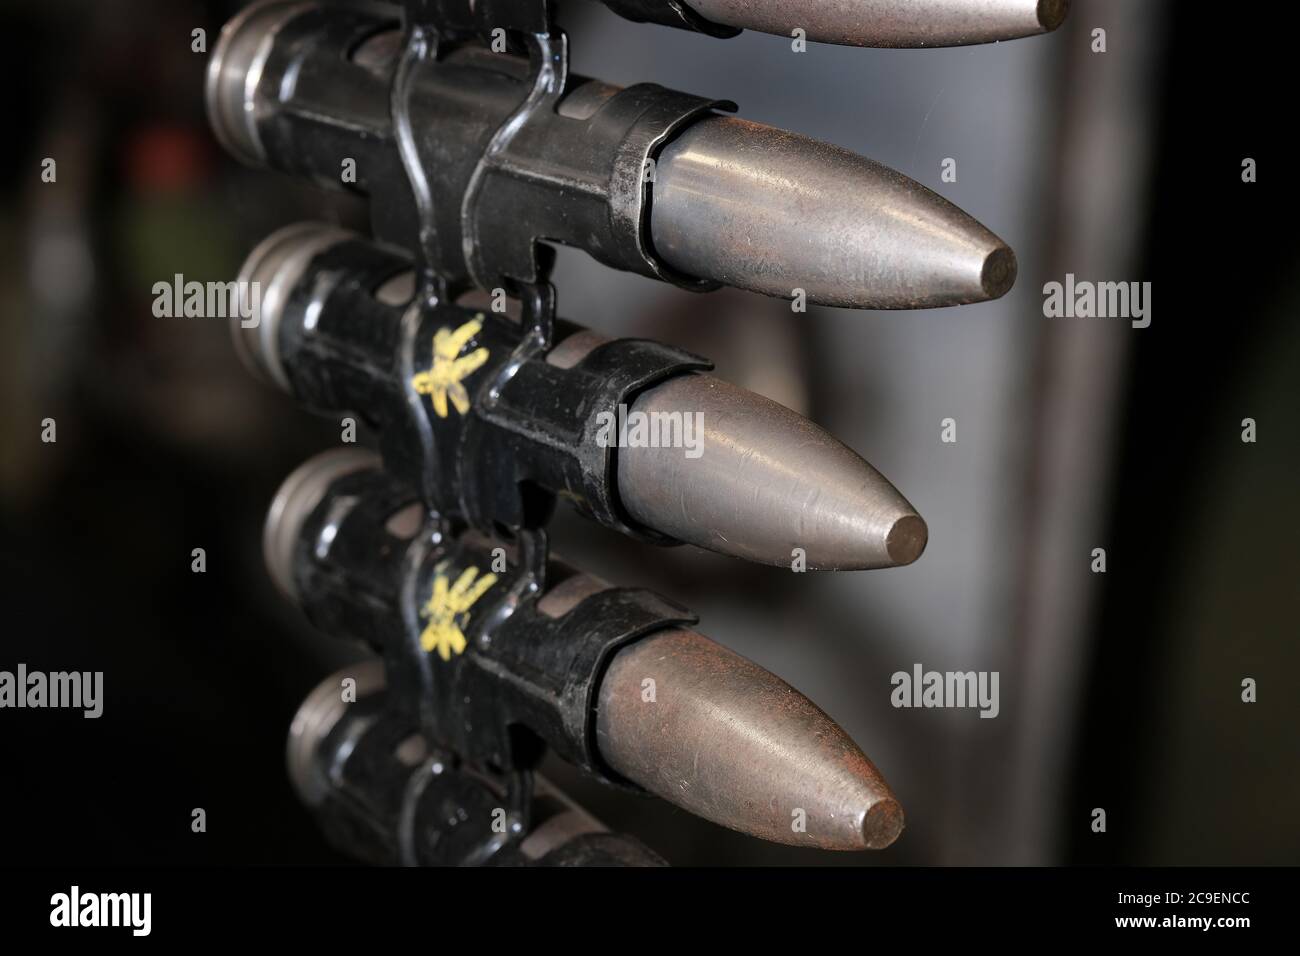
724 209
766 481
882 824
1052 13
999 272
907 539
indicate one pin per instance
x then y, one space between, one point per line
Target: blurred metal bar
1104 174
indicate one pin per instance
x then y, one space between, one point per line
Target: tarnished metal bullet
613 678
735 744
767 481
642 178
771 211
735 472
890 23
764 481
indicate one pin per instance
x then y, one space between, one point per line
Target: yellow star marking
443 379
446 610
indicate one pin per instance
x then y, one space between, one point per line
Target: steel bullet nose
754 480
1052 13
999 272
907 539
731 742
775 212
891 23
882 824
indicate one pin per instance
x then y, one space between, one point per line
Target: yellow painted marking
447 608
443 380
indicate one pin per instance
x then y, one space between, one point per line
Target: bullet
755 480
364 770
765 481
728 202
717 735
890 23
851 233
735 744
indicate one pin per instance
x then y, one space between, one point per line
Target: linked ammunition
477 158
497 652
492 425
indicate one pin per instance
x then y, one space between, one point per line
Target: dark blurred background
1118 690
